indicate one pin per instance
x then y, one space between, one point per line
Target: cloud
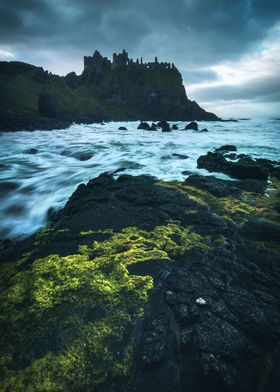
207 40
254 76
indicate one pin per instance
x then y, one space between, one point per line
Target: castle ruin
101 64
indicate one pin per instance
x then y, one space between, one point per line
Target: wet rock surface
244 168
212 319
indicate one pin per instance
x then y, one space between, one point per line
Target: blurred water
32 183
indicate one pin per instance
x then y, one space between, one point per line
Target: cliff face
122 90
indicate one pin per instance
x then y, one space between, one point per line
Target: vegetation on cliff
29 94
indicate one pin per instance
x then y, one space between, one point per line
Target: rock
170 297
144 125
204 130
221 188
193 125
231 156
122 129
164 125
210 318
181 156
174 127
275 172
226 148
261 230
31 151
153 127
244 168
80 155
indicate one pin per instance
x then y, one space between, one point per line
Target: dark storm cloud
194 34
202 31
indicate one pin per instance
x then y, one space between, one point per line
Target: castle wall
101 64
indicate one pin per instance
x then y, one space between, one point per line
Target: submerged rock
31 151
80 155
181 156
122 129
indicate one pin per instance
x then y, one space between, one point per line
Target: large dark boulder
244 168
193 125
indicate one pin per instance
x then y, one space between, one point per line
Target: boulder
144 125
204 130
192 125
153 127
174 127
244 168
164 125
122 129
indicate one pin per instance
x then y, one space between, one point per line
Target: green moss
66 322
238 210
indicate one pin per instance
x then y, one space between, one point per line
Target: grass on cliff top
66 322
20 90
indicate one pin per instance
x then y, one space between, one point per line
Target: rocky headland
121 89
140 284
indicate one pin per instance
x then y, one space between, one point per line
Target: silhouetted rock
193 125
243 168
164 125
174 127
122 129
144 125
204 130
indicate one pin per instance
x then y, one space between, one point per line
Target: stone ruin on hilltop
101 64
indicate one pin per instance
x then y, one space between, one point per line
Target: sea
40 170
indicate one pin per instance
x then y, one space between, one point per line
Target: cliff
119 90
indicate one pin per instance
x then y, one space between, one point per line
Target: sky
228 51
